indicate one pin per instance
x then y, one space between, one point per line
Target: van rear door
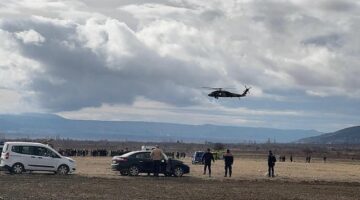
22 154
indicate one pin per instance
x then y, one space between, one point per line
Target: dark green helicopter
220 92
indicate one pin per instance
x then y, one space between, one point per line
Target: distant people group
74 152
180 155
282 158
207 158
93 152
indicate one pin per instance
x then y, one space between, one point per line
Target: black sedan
136 162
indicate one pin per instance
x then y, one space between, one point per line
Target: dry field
247 169
95 180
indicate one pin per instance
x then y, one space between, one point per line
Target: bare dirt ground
39 186
95 180
247 169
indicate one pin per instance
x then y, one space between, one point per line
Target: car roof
26 143
140 151
133 152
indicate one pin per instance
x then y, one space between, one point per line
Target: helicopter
220 92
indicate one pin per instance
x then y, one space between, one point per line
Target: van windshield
5 148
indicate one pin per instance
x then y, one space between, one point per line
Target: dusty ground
95 180
247 169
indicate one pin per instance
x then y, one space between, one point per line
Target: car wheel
134 171
178 172
167 174
17 168
124 172
63 170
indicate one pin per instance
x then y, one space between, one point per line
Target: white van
18 157
1 146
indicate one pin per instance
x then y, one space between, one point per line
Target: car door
148 162
144 161
165 165
44 160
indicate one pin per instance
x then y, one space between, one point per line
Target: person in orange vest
229 160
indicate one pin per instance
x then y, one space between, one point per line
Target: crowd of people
104 152
180 155
207 158
282 158
92 152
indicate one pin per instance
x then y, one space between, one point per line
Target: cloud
72 55
30 37
147 110
102 61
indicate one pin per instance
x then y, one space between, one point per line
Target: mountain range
49 125
349 135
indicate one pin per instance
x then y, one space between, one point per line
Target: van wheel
178 172
17 168
134 171
62 170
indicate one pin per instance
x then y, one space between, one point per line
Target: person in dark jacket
206 159
271 164
229 160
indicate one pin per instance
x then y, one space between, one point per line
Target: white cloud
30 37
147 110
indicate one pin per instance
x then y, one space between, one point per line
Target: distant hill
344 136
47 125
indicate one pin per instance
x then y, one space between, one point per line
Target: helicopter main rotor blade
217 88
212 88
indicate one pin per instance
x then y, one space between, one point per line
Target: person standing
156 155
229 160
271 164
206 159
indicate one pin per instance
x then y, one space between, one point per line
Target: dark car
136 162
197 157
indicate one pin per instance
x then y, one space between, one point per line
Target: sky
147 60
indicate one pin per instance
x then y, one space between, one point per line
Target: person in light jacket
156 155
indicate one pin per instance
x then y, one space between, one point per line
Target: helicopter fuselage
223 93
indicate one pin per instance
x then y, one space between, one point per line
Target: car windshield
165 157
199 154
53 151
